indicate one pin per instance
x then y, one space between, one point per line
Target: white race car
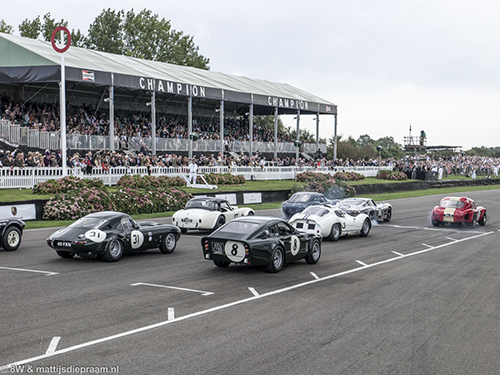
331 222
207 213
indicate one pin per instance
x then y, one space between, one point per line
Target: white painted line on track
314 275
360 262
398 254
429 246
26 270
171 313
203 293
221 307
254 292
451 239
53 345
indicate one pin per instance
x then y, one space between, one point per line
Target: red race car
458 210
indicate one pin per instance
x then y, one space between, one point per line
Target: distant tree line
143 35
364 148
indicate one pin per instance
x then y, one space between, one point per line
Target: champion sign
88 76
172 87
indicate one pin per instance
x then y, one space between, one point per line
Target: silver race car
376 211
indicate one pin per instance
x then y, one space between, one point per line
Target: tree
49 25
4 28
365 140
106 32
143 35
30 29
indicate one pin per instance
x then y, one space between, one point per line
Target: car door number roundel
294 245
95 235
136 239
235 251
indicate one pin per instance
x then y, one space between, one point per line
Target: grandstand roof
24 60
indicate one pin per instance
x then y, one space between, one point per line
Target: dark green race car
260 241
108 235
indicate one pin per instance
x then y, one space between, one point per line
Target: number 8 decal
235 251
295 245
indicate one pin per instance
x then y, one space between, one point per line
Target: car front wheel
168 244
114 251
388 216
277 260
11 239
314 253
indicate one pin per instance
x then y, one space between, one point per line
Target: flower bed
149 182
348 176
391 175
325 184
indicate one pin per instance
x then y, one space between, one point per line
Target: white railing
27 178
19 135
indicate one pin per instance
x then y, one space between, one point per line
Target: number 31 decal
136 239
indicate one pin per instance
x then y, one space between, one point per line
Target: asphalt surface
407 299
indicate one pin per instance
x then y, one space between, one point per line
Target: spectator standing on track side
193 171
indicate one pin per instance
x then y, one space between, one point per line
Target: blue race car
299 201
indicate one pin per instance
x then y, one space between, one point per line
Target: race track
407 299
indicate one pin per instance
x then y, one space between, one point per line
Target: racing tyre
65 254
435 223
114 251
473 223
221 264
277 260
11 239
335 232
389 216
221 220
365 229
314 253
184 230
250 213
168 243
483 220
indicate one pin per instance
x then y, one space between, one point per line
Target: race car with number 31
260 241
108 235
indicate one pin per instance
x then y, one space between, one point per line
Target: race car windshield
207 205
300 198
244 227
318 211
448 203
89 222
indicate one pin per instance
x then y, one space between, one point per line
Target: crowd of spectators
87 120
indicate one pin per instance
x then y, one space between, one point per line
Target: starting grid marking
27 270
51 352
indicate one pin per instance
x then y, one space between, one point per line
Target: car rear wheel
221 264
250 213
65 254
365 229
335 232
114 251
277 260
483 220
435 223
168 243
11 239
221 220
473 223
389 216
314 253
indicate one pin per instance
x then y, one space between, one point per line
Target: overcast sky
386 64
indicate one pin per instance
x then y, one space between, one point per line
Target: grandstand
162 97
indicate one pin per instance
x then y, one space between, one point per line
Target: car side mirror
265 234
